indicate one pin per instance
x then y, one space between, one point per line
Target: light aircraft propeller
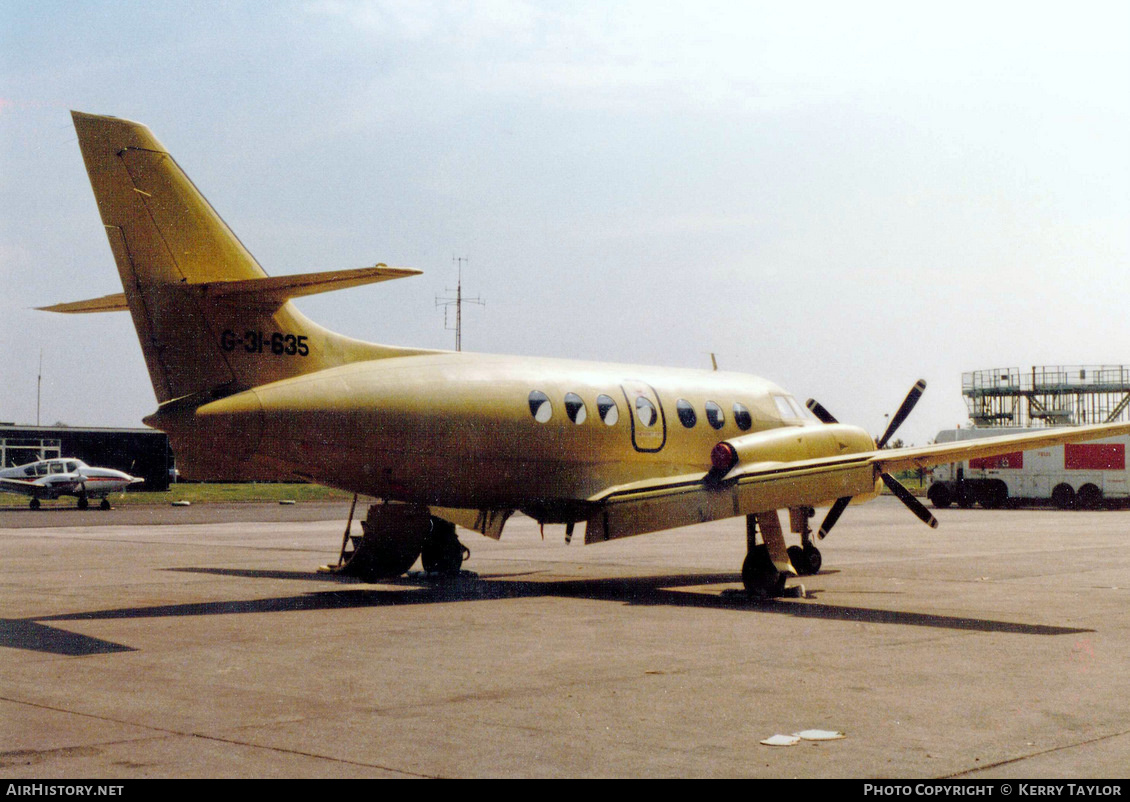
893 484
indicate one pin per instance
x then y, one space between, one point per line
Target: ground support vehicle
1079 475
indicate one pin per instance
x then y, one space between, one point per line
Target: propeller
817 409
904 410
893 484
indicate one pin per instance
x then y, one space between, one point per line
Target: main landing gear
442 552
768 564
394 536
805 558
84 503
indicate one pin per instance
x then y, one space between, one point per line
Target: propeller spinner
893 484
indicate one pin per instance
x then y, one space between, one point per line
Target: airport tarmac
201 642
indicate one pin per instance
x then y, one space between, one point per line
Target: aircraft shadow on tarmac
36 634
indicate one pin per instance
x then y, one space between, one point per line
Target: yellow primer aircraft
249 388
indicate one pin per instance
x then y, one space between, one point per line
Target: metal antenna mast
39 387
457 302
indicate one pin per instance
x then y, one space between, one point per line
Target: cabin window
742 417
609 412
540 407
56 467
714 415
687 416
645 411
575 408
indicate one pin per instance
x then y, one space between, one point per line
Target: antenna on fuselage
713 360
457 302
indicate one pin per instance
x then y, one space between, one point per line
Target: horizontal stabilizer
277 289
269 291
107 303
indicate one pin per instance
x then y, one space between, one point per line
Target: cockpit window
56 467
609 412
784 408
72 467
540 407
687 415
714 415
790 409
742 417
802 412
575 408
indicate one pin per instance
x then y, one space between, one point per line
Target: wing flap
650 506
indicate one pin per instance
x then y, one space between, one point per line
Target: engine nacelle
788 444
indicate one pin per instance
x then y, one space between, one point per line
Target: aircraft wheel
443 553
105 505
34 504
1089 497
813 559
83 503
1063 497
760 577
394 535
797 558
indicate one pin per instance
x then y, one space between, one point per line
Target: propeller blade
817 409
907 405
910 501
833 516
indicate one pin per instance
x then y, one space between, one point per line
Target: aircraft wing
901 459
25 488
654 504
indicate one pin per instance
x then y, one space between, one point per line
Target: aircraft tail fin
210 320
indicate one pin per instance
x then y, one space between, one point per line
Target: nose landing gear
767 564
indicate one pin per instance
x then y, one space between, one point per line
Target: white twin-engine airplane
52 478
249 388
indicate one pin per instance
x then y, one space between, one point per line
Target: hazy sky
841 197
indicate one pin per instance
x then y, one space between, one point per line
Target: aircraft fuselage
480 431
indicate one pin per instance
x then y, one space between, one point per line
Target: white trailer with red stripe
1082 475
